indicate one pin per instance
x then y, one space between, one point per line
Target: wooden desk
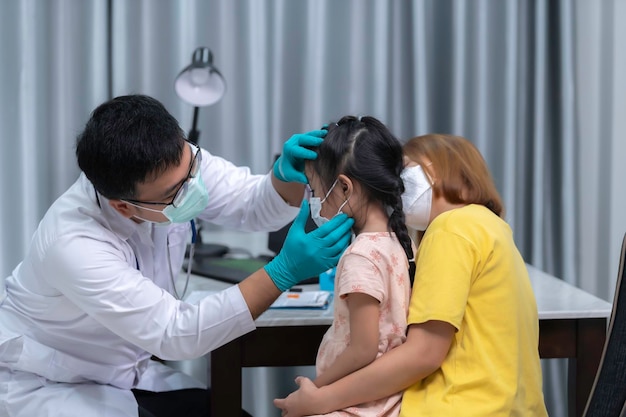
572 325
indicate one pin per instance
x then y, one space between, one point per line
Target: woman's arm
423 353
363 345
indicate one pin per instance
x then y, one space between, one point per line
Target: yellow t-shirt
470 274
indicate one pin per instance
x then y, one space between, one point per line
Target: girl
357 172
471 348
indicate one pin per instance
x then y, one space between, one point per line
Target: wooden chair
608 393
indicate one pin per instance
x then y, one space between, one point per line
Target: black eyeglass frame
182 190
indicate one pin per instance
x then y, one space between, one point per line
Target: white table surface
556 299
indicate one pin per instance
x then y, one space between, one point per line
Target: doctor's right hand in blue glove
303 255
288 172
289 167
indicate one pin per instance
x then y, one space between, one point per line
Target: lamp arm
194 134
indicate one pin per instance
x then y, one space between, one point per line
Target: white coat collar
118 224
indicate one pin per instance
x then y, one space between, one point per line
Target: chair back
608 393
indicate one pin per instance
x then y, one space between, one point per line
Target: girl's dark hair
364 150
128 140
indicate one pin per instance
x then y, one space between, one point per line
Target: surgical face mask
195 200
417 197
193 203
316 207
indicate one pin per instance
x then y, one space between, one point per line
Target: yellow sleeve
444 267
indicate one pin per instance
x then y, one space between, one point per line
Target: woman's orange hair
457 170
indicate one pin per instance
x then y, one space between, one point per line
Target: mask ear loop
330 190
428 176
343 205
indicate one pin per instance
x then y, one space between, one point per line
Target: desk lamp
201 84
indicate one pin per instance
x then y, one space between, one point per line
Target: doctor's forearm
259 292
291 192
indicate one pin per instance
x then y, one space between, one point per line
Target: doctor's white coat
91 302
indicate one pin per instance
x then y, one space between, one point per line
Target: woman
471 347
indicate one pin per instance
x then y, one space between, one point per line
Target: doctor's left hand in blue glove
289 167
309 254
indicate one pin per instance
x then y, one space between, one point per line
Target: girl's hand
302 402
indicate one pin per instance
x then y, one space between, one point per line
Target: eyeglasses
178 198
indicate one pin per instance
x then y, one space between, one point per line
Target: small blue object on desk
327 280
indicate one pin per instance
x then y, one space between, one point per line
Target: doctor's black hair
126 141
366 151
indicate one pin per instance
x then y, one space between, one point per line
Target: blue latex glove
289 167
306 255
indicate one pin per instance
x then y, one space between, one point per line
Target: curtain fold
535 84
601 64
52 74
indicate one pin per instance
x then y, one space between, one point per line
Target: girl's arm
363 345
423 353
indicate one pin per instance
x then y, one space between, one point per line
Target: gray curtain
537 85
53 71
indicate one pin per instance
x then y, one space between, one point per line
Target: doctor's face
168 188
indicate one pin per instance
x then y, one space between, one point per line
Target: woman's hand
302 402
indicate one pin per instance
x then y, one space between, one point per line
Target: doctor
94 298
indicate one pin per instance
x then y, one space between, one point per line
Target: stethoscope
192 247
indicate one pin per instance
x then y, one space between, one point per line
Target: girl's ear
346 185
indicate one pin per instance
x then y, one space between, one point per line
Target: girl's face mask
417 198
316 207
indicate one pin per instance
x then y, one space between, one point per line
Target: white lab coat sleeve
95 277
241 200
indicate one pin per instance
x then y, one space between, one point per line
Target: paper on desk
304 299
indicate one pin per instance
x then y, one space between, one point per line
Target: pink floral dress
374 264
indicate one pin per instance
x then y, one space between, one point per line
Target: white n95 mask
315 203
417 197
